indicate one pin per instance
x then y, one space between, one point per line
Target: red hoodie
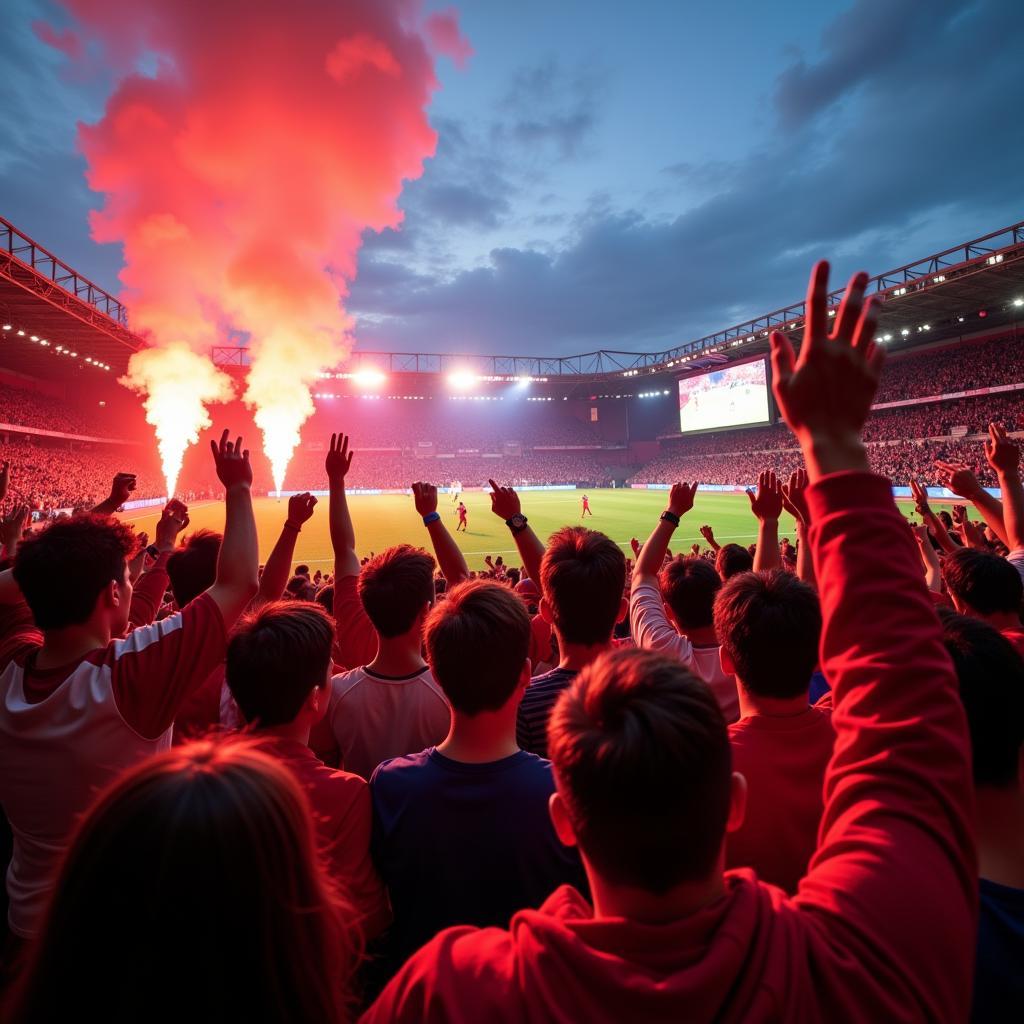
883 925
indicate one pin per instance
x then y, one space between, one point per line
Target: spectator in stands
462 831
81 704
192 887
987 587
279 673
582 577
991 676
769 624
883 926
671 607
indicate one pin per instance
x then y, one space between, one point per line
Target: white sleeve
650 626
1016 559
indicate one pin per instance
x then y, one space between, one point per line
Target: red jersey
357 639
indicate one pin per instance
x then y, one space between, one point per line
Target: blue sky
631 176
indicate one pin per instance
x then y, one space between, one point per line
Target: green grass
382 520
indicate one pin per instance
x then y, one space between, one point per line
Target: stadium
613 424
480 539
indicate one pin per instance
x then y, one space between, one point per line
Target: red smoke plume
246 146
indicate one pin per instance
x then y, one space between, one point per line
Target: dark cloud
880 152
462 205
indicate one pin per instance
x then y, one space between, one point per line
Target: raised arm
278 568
709 535
766 504
238 563
652 554
505 505
935 525
1004 457
960 479
893 883
343 534
449 556
12 528
794 500
120 491
148 593
929 559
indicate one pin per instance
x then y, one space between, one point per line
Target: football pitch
381 520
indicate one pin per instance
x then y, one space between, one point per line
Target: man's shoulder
550 682
407 770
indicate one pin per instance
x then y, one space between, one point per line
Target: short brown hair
276 655
732 559
477 641
395 587
769 623
192 566
688 586
641 755
583 576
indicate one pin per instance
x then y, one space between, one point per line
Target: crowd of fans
27 408
776 783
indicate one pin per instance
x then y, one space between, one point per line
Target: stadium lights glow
1016 302
33 337
905 331
900 291
21 334
368 378
7 327
960 319
461 379
992 260
886 337
939 279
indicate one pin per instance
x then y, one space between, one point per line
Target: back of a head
276 655
62 569
984 582
300 588
196 873
733 559
641 754
193 566
325 598
688 586
395 587
583 575
991 677
477 641
769 623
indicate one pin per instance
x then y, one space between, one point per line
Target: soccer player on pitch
462 510
586 507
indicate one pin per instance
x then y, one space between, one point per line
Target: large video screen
728 397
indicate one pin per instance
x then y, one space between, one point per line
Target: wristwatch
670 517
153 551
517 523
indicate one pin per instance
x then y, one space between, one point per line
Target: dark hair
769 623
325 598
641 755
62 570
991 676
688 586
193 566
302 570
732 559
301 588
276 655
982 581
582 576
477 641
197 873
396 586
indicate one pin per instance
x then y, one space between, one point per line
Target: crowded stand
774 784
22 407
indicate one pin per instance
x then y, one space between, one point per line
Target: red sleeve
149 592
357 639
892 888
18 633
156 667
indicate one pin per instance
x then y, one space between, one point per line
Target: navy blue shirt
459 843
536 706
999 977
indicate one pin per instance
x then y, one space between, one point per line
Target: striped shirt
535 709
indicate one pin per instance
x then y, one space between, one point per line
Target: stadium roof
977 285
56 323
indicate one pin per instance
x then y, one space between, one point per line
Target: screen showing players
724 398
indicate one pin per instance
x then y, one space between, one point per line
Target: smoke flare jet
245 148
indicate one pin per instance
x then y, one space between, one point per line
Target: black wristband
670 517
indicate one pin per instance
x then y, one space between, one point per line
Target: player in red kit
586 507
462 510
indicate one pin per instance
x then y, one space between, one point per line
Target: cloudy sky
630 176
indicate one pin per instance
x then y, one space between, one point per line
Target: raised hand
695 549
794 496
959 478
766 504
121 488
920 498
12 527
425 497
635 545
5 479
1002 453
300 508
173 520
339 459
504 501
707 533
680 498
232 462
825 393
